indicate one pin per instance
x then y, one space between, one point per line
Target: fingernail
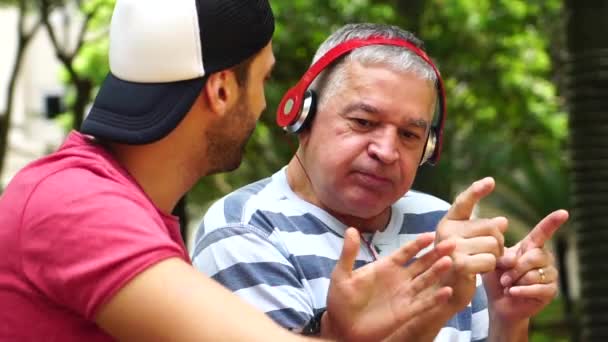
505 280
501 221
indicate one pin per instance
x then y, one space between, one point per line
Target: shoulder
85 196
238 206
263 212
78 173
78 205
265 204
87 184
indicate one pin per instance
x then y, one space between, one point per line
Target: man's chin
226 168
234 165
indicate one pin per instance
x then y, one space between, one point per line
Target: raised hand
525 280
479 242
371 302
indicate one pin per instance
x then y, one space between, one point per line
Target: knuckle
459 265
495 243
537 252
501 240
496 233
527 279
486 263
491 263
537 260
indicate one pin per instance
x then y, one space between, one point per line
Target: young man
89 251
276 242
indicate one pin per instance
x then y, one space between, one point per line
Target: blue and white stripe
277 251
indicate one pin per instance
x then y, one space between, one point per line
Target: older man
364 126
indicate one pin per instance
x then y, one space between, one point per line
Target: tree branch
84 28
28 35
23 41
44 15
21 19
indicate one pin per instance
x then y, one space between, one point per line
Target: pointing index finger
463 205
545 229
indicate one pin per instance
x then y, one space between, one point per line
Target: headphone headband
291 104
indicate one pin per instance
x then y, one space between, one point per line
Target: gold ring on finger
543 276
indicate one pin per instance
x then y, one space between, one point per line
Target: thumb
350 249
463 205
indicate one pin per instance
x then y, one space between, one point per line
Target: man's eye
409 135
363 123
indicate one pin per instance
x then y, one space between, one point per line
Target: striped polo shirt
277 251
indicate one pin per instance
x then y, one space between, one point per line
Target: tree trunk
23 41
587 94
5 122
84 88
571 324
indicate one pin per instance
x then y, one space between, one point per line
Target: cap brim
139 113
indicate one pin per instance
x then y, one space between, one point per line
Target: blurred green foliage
90 62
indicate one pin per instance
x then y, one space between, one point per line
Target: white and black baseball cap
161 52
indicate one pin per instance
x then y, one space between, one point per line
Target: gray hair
397 58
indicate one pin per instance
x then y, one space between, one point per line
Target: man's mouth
372 180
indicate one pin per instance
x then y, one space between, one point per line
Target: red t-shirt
74 229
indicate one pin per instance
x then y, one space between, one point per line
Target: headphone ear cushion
306 113
309 109
429 147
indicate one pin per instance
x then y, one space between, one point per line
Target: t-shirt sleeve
244 260
84 237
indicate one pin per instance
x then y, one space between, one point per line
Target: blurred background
526 83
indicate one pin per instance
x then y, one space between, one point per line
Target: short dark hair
241 70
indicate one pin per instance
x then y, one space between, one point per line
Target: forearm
167 301
501 331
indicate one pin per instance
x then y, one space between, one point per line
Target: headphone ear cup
429 147
306 113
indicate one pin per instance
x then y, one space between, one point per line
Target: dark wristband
313 327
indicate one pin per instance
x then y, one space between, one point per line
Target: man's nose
383 146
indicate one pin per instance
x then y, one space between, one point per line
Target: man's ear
221 91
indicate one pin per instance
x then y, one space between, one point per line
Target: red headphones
298 105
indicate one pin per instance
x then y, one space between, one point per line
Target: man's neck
162 176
